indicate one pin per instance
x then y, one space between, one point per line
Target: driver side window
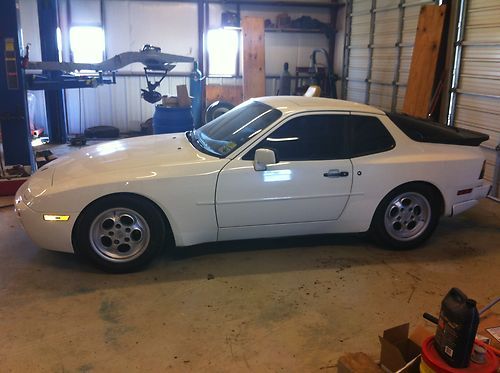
306 138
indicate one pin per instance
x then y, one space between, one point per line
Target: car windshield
228 132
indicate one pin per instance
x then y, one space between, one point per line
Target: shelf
294 30
305 4
283 30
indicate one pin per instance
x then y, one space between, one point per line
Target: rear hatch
427 131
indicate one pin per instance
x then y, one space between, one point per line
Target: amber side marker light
56 217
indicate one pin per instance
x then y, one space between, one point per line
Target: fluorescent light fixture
55 217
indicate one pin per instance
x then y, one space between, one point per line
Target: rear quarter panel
448 167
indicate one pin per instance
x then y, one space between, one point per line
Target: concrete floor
291 305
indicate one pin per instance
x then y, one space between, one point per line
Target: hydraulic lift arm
151 57
60 75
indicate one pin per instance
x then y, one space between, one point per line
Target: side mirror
263 158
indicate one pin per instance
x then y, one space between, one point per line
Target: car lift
16 137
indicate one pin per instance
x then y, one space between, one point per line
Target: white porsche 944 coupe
271 167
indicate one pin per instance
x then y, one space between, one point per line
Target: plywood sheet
424 60
229 93
254 79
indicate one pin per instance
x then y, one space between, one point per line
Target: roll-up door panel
386 28
356 91
384 61
359 6
478 91
400 99
378 64
381 96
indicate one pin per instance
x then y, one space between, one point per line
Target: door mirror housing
263 158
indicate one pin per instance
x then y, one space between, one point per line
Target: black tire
102 132
120 233
217 109
406 217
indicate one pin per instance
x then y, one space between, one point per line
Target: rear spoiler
432 132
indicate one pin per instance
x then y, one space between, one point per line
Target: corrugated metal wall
379 46
129 24
478 91
119 105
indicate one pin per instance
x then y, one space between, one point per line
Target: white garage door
380 35
477 91
379 44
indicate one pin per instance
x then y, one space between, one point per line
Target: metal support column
399 51
331 49
16 137
347 51
202 60
457 60
54 99
370 51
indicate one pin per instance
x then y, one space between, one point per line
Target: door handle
336 173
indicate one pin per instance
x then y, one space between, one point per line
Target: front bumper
476 194
51 235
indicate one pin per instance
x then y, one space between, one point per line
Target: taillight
481 175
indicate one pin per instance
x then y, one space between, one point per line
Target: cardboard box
170 101
397 350
183 96
487 324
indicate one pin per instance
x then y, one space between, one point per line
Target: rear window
415 129
368 136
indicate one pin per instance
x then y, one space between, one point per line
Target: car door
310 182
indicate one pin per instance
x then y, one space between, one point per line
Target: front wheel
120 233
406 217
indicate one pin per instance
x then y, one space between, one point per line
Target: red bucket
432 363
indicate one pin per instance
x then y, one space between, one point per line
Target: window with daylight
222 48
87 44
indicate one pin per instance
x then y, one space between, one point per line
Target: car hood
127 155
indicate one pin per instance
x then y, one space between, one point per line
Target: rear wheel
406 217
120 233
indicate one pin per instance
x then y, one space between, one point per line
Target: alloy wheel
407 216
119 234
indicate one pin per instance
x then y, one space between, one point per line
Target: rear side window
307 138
368 136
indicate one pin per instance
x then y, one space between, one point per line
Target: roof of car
301 103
